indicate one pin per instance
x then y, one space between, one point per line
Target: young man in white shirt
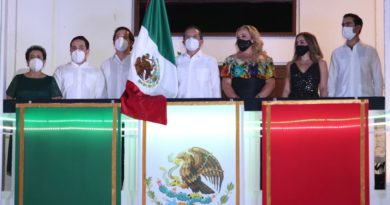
116 68
355 68
197 73
77 79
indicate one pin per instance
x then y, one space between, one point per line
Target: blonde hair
257 46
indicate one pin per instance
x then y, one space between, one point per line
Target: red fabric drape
136 104
315 153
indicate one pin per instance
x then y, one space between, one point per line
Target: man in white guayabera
116 68
197 73
355 68
77 79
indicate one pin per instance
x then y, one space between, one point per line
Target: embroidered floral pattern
237 68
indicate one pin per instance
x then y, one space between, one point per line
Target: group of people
355 69
76 79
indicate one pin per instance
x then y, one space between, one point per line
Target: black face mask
301 50
243 44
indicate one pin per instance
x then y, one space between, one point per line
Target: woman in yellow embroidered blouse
250 71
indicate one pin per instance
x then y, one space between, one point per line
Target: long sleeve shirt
115 74
355 72
80 81
198 76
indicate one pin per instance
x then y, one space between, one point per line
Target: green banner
68 154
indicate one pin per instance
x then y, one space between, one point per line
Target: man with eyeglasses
197 73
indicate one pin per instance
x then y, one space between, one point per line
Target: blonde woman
249 73
307 73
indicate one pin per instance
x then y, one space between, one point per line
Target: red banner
315 152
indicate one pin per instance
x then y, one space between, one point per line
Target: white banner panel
195 159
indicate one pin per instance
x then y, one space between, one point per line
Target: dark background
223 18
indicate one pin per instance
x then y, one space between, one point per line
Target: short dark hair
36 48
131 35
356 19
193 27
80 38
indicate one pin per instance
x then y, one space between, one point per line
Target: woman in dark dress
34 85
307 73
249 73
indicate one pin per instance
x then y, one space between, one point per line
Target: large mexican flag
153 67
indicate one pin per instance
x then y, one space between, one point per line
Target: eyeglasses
196 37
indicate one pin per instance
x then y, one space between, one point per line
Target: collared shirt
198 76
115 74
355 72
80 81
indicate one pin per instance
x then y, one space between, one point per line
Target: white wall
2 87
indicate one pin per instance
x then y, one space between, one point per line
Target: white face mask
78 56
35 64
191 44
121 44
348 33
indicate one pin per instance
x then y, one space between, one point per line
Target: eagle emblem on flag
148 70
196 177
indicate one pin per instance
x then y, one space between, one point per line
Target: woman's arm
287 86
228 89
270 82
11 91
323 78
267 89
55 91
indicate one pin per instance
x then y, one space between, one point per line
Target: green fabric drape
68 155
